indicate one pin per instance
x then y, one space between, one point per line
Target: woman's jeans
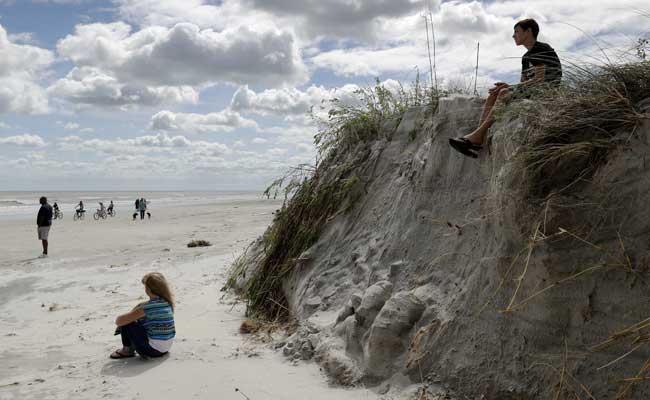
135 336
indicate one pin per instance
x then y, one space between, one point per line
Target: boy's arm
540 73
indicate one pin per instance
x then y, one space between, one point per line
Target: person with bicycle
142 205
110 208
101 209
80 208
57 212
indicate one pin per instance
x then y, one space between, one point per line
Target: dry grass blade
554 285
582 388
564 370
503 281
520 279
624 333
630 383
617 359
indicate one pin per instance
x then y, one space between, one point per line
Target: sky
215 94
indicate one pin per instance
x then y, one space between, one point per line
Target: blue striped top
158 319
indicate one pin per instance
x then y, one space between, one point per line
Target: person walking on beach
143 207
44 222
540 67
148 328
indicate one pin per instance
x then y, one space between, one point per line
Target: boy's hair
529 23
42 200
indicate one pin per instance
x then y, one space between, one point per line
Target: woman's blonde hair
157 284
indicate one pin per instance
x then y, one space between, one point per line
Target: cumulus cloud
259 141
91 86
292 103
25 140
311 19
115 66
223 121
278 101
463 18
171 12
340 18
148 143
73 126
371 61
21 67
22 38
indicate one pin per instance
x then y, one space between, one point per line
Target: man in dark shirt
540 67
44 222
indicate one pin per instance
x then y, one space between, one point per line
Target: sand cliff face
447 270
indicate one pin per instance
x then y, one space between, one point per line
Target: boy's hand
498 86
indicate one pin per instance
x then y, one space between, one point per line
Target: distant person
55 208
148 328
137 209
80 208
540 68
110 207
44 222
142 205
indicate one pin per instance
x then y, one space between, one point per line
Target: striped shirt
158 321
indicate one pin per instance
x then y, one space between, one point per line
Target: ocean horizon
24 204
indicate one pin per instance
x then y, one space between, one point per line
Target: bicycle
111 212
99 214
79 214
58 214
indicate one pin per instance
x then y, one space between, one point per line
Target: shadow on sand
129 367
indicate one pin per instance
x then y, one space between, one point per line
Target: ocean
19 205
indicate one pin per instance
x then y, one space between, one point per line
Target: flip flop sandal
116 355
464 150
464 142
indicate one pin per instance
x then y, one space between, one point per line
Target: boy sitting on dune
540 67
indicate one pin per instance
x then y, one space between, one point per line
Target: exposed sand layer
57 314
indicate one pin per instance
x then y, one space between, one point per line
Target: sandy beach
57 314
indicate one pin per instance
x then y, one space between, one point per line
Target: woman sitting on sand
149 328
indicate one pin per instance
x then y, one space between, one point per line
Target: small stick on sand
242 393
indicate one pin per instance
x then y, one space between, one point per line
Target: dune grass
571 129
